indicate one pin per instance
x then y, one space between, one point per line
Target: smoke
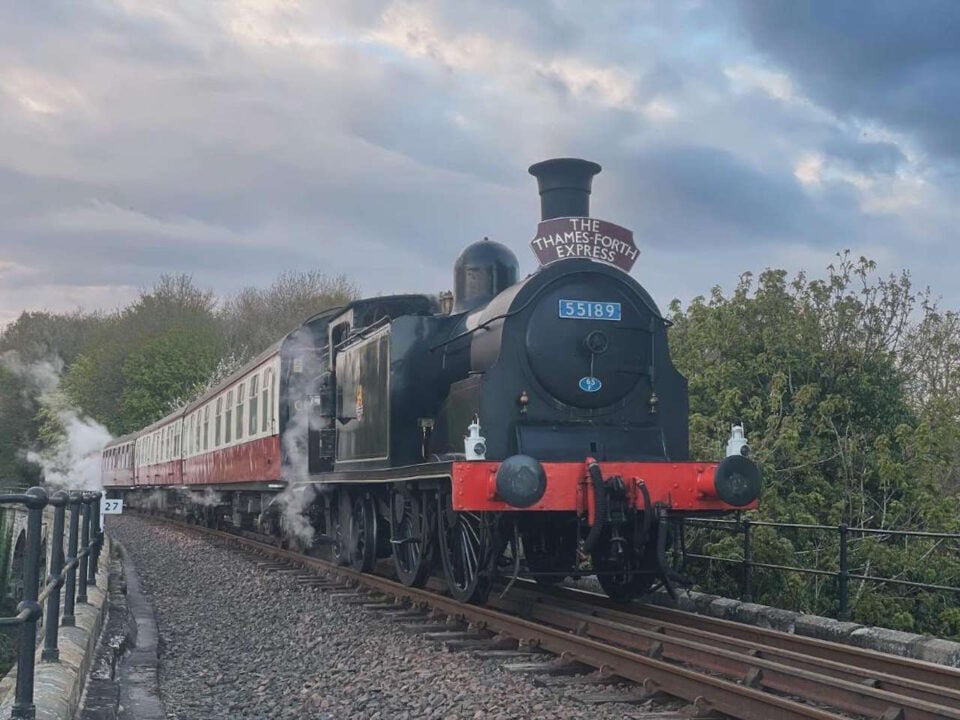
296 499
71 460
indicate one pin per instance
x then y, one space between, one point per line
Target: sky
235 140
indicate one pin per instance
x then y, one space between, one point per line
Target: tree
819 371
130 368
39 336
18 430
254 318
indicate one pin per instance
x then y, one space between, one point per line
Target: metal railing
842 575
76 572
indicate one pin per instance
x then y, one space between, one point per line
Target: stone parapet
919 647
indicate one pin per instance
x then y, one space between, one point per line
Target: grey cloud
871 157
692 192
894 62
234 158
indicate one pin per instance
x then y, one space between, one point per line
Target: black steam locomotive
534 427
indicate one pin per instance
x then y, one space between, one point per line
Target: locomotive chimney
564 186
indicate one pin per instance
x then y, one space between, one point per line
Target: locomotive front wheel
466 552
413 537
550 549
621 578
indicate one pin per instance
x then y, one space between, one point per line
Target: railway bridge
246 628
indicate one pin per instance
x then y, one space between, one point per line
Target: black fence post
95 538
747 591
84 549
843 576
51 651
23 707
69 616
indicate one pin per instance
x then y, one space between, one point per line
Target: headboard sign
584 237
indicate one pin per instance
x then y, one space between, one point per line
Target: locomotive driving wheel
339 526
362 536
412 536
469 548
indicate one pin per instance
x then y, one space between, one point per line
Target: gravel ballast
238 642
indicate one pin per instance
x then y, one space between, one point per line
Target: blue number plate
589 310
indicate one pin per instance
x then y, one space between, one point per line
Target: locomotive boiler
536 427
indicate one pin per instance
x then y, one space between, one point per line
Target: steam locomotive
531 427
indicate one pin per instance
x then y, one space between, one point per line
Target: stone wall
59 685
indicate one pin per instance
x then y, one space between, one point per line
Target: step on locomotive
528 427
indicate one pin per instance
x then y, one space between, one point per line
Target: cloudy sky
233 140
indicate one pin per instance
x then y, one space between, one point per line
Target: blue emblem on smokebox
590 384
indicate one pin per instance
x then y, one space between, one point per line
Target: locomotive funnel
564 186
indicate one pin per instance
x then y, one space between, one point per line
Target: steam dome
483 270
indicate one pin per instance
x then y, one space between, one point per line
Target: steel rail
949 695
621 643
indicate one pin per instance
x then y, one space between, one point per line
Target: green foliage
852 414
164 368
18 429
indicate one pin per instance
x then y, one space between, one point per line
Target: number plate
589 310
112 507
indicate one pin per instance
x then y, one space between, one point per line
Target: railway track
718 666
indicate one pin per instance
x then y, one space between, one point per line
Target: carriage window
240 396
273 399
228 419
252 409
265 399
216 438
206 427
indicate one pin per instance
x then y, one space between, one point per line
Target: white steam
73 462
296 499
153 500
208 498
